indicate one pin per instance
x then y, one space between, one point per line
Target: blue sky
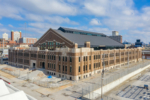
130 17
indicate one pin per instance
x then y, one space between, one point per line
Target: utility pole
128 57
102 76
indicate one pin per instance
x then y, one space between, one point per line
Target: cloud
60 20
4 30
95 22
48 7
100 30
1 24
10 25
10 11
43 25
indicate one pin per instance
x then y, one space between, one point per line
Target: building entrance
33 65
43 65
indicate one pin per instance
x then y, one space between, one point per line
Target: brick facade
73 63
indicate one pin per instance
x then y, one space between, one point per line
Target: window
63 68
84 68
66 59
79 68
66 68
59 67
86 58
94 57
70 59
59 58
63 58
54 66
54 57
50 65
89 57
50 57
70 68
79 59
90 67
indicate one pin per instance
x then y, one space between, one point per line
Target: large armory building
74 54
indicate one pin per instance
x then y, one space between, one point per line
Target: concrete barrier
113 84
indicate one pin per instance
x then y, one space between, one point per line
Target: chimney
87 44
75 45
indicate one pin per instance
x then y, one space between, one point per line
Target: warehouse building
73 54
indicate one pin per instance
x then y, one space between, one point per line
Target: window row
51 57
52 66
41 56
65 59
64 68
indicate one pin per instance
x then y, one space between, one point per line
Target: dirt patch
41 74
9 69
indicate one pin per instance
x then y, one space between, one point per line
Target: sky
131 18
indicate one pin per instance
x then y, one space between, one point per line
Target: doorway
33 65
43 65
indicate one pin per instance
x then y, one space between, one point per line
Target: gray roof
94 40
70 29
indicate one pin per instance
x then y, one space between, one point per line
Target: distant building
138 43
127 44
115 33
5 36
115 36
5 42
15 36
27 40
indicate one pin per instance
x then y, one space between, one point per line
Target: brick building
15 35
73 54
5 42
27 40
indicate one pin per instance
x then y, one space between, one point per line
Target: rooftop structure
9 92
68 37
115 36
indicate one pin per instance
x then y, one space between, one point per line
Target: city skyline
130 18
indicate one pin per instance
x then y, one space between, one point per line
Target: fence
37 81
11 72
89 91
49 84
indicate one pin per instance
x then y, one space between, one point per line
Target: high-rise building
5 36
15 35
115 36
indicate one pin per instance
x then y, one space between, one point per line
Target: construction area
37 84
38 76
